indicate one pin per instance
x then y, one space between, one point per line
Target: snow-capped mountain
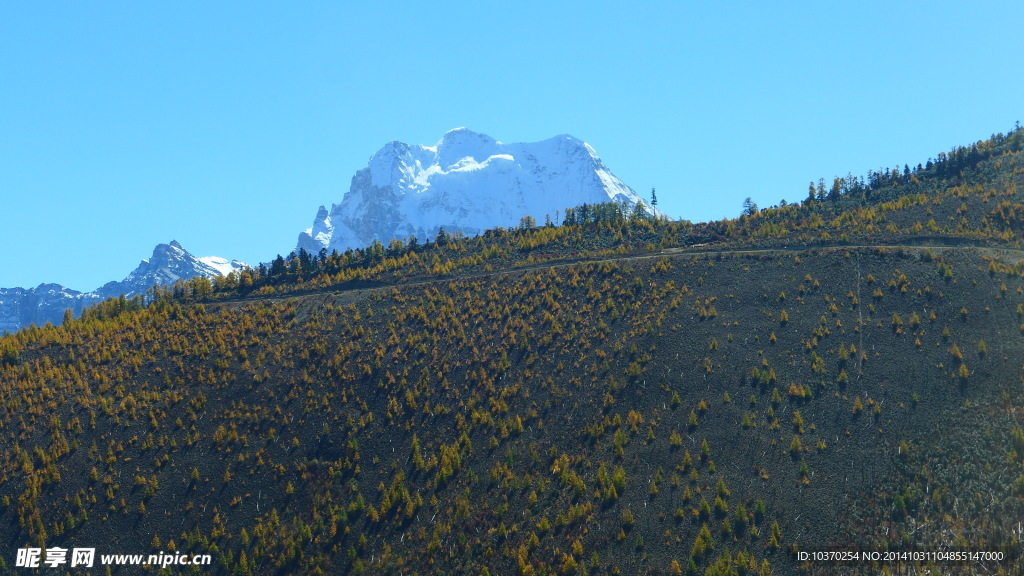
467 182
169 263
20 307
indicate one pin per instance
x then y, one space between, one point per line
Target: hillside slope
600 397
522 423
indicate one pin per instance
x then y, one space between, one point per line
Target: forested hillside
611 395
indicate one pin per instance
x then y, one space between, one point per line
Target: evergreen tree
749 207
442 237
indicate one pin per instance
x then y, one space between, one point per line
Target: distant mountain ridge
467 182
20 307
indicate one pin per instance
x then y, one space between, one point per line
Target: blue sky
225 125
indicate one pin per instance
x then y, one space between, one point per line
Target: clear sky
224 125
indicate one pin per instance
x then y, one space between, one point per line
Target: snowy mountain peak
455 136
467 181
164 253
170 262
462 143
